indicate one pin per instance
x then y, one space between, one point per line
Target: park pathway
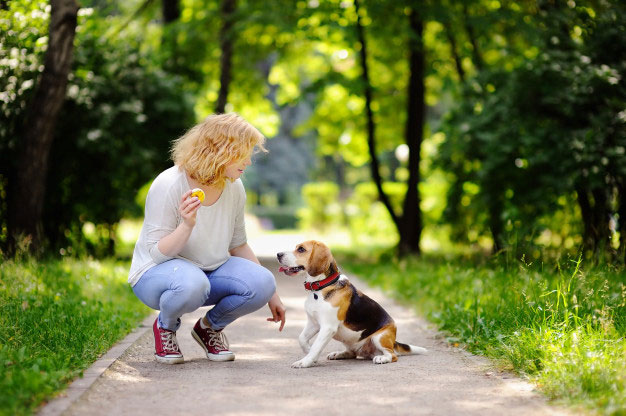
446 381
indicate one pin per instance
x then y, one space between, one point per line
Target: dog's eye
301 249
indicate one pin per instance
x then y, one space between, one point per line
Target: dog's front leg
309 331
323 337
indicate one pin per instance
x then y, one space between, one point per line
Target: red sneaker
166 345
213 342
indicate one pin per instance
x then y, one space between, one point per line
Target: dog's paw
381 359
303 363
340 355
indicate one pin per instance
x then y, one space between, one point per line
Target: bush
120 114
367 216
322 207
281 217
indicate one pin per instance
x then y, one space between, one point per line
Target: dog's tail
406 349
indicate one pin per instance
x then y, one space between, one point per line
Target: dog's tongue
282 269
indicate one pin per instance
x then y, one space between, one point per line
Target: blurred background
424 126
466 156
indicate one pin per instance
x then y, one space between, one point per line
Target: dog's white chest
325 313
319 309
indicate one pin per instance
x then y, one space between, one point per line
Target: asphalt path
445 381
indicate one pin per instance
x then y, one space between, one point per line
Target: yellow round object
199 193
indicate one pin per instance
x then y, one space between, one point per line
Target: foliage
531 94
120 114
552 127
56 320
367 217
22 45
322 208
562 325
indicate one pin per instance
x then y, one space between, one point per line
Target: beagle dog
336 309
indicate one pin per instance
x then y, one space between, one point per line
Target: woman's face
235 169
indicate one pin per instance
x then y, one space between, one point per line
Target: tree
171 11
371 125
28 195
409 223
546 133
227 35
120 112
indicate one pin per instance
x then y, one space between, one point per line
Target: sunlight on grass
562 326
58 316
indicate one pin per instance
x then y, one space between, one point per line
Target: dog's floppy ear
320 259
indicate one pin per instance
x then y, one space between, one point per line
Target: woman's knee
265 285
195 283
190 286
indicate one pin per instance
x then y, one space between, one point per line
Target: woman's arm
173 243
244 251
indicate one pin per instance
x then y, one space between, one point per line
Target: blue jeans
175 287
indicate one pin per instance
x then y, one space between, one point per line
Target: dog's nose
280 255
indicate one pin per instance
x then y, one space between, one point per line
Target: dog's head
312 257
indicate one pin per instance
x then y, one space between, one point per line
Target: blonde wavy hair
207 148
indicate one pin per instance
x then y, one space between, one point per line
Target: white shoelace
218 339
169 341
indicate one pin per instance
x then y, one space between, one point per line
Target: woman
193 253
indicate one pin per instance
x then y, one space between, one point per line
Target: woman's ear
320 259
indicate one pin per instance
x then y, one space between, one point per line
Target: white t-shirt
219 227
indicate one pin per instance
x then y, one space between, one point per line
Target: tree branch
476 55
371 128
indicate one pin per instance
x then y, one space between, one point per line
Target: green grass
561 326
56 318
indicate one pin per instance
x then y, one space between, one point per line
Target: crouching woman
192 250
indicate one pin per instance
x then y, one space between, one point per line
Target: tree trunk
601 220
171 11
29 196
227 35
476 55
587 217
111 231
454 51
411 229
371 127
495 224
621 211
595 217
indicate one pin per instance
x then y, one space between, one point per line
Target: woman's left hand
278 311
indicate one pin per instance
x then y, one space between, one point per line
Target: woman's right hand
188 209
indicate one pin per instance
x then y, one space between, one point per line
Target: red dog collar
321 284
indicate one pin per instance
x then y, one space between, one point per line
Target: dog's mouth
290 271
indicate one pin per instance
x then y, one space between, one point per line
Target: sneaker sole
212 357
169 360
